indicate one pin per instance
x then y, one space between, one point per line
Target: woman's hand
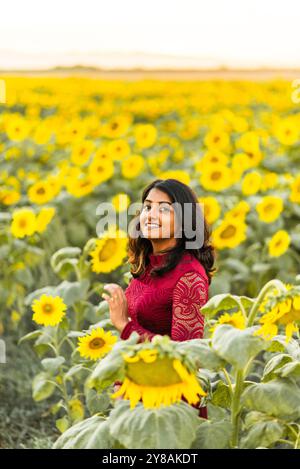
118 308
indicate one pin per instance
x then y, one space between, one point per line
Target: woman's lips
152 225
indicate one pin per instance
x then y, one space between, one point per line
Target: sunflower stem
235 408
226 374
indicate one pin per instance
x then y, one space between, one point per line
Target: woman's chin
153 234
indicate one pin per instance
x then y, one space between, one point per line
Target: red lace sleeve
189 295
134 326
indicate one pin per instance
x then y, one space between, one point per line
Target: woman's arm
189 295
134 326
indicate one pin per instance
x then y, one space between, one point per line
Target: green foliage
167 427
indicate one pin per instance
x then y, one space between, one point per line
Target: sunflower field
69 144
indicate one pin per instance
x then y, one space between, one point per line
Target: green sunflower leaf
91 433
224 302
237 346
166 427
277 398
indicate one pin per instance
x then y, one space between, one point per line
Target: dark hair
139 247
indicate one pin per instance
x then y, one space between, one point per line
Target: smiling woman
170 281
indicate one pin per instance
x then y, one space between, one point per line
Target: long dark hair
139 247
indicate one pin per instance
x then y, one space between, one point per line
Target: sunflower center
269 207
96 343
41 190
158 373
108 250
278 243
84 184
47 308
216 175
22 223
228 232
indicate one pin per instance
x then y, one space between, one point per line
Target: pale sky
224 32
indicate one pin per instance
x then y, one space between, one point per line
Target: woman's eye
146 207
165 209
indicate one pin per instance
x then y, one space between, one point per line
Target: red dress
168 305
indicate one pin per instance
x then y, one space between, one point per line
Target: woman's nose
153 215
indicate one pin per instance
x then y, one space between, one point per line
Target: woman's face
157 218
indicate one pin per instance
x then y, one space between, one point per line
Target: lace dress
168 305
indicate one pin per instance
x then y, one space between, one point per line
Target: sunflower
239 211
40 192
269 208
251 183
157 380
23 222
102 154
17 128
212 208
287 131
80 186
110 251
211 158
48 310
236 320
145 135
56 183
81 152
118 149
44 218
270 181
15 317
76 409
240 163
248 142
295 190
230 234
254 158
100 171
282 309
96 344
132 166
9 196
117 126
178 174
190 129
216 177
73 131
42 133
121 202
279 243
217 139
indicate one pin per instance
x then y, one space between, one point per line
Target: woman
170 280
